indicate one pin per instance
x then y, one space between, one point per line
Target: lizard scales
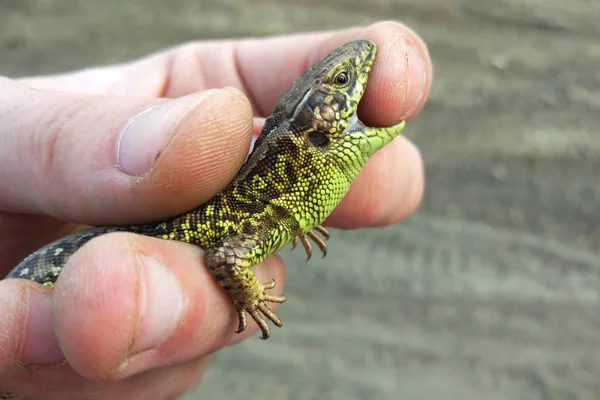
307 155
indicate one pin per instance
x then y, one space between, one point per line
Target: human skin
137 317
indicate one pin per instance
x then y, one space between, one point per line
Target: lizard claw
303 237
255 306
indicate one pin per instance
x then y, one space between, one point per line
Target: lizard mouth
354 121
370 139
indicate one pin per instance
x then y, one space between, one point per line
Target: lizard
302 164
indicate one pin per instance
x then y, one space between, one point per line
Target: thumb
25 340
110 159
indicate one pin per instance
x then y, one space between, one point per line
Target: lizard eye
341 78
318 139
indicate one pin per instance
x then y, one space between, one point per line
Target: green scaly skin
307 155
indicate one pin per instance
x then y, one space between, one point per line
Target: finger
32 364
169 382
109 159
388 189
264 68
126 303
57 383
398 84
27 335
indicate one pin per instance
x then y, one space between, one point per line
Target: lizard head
321 107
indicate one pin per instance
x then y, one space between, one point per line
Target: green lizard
307 155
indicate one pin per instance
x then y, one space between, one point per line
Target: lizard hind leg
230 263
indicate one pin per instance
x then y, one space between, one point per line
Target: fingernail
161 305
40 346
416 79
147 134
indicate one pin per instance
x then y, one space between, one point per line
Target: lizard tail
45 264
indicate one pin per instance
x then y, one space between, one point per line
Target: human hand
137 317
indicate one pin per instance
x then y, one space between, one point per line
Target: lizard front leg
230 262
303 238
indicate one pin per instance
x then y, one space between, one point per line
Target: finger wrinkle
48 135
46 142
14 300
242 78
219 65
183 78
52 140
168 66
404 88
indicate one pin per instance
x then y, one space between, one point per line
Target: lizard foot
254 304
303 237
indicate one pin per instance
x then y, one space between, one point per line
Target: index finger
264 68
398 84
